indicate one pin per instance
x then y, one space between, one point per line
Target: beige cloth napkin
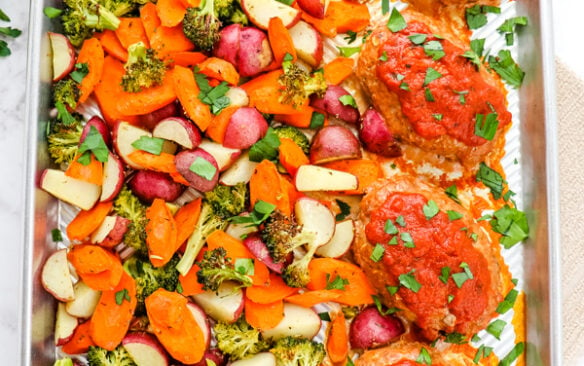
570 102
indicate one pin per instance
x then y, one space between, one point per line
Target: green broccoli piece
295 135
282 234
97 356
215 268
66 92
129 206
149 278
143 69
63 140
201 26
239 340
295 351
228 201
229 12
299 84
81 18
64 362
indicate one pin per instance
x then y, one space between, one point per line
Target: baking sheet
532 140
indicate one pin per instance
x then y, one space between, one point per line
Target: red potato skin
117 181
334 143
255 53
211 354
246 126
228 46
259 249
100 126
331 104
185 159
370 329
146 339
313 8
148 185
116 235
150 120
376 136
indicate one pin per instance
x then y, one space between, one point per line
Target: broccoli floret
63 140
229 12
97 356
64 362
228 201
66 92
149 278
143 68
282 234
129 206
295 135
83 17
239 340
299 84
295 351
201 26
215 268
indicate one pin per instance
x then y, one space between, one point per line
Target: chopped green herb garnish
350 37
404 86
396 21
424 357
401 221
152 145
461 96
56 235
454 215
428 95
486 127
337 283
496 328
325 316
507 68
450 298
384 7
345 210
434 50
63 114
492 179
3 16
390 228
203 168
10 32
392 289
348 51
266 148
508 303
478 46
482 352
245 266
418 38
261 211
513 354
430 209
212 96
348 99
437 116
93 143
466 269
444 273
317 120
509 26
383 56
476 15
377 253
431 75
51 12
512 224
393 241
121 296
455 338
408 240
408 280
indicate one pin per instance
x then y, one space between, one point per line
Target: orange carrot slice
91 53
91 173
275 290
310 298
160 233
188 91
336 71
170 12
219 69
130 31
111 45
88 221
291 156
337 342
264 316
280 40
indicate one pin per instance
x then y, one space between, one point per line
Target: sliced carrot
338 70
266 185
291 156
234 247
175 327
301 119
111 45
91 173
264 316
160 163
186 220
348 15
337 342
186 59
91 53
170 12
217 127
261 273
131 31
160 233
264 94
88 221
168 40
100 269
219 69
280 40
275 290
188 91
80 341
150 19
114 311
191 3
310 298
148 100
357 292
324 26
366 171
189 283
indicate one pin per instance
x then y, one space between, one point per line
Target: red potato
100 126
255 53
202 321
145 349
56 278
259 12
85 301
341 241
63 55
370 329
148 185
240 171
149 120
376 136
214 355
228 46
315 8
124 135
237 97
298 321
316 218
224 156
186 159
317 178
179 130
111 231
65 325
113 178
333 143
259 249
240 231
225 305
331 103
74 191
307 42
246 126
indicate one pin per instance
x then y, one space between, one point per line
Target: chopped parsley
428 95
348 99
261 211
408 280
476 15
404 86
396 21
455 338
508 303
393 241
80 71
63 114
203 168
512 224
424 357
444 273
51 12
392 289
454 215
350 37
418 38
317 120
461 277
461 96
401 221
379 306
507 68
486 126
496 327
434 50
390 228
56 235
348 51
452 193
377 253
152 145
492 179
122 295
266 148
408 240
245 266
93 143
325 316
337 283
509 27
482 352
431 75
430 209
450 298
384 7
437 116
383 56
345 210
214 97
513 354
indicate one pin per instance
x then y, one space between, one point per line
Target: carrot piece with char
348 16
131 31
264 316
186 58
150 19
188 91
91 53
114 311
168 40
100 269
111 45
266 184
88 221
219 69
264 94
160 233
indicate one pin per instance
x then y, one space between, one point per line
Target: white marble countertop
12 151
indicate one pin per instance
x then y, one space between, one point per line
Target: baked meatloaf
430 95
432 260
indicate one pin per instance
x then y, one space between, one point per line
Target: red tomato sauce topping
459 94
438 243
